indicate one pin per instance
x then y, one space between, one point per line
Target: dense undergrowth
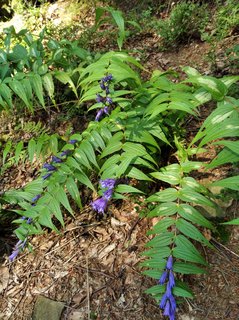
134 127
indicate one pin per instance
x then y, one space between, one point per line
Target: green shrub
227 19
186 21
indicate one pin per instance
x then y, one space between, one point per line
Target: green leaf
34 187
190 231
60 195
180 292
135 150
138 174
169 177
82 178
154 263
6 150
87 148
229 183
164 209
164 252
53 144
49 85
124 188
185 250
82 158
232 145
65 78
110 162
31 149
233 222
162 225
180 253
155 274
18 89
18 151
6 94
216 87
55 208
73 190
182 106
191 214
124 164
45 219
225 156
189 195
114 145
36 83
161 240
187 268
155 290
167 195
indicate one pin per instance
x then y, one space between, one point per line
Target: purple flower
46 176
168 302
163 277
49 167
65 153
107 90
99 114
102 85
38 196
108 183
29 220
173 303
99 98
99 205
168 290
171 279
19 246
109 100
56 159
167 309
73 141
106 110
13 255
107 78
163 301
108 194
169 265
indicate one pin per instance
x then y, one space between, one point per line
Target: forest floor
93 266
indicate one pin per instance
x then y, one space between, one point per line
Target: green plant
117 18
227 19
187 20
136 123
32 67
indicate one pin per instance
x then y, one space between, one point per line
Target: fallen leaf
4 277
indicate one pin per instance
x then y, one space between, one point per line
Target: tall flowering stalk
168 302
50 168
106 101
100 204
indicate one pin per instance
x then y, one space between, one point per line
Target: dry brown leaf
107 250
4 277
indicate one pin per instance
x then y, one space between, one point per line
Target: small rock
47 309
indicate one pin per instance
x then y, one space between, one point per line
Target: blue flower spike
100 204
18 247
56 159
65 153
104 85
46 176
168 302
49 167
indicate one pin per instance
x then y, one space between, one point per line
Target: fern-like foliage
143 119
